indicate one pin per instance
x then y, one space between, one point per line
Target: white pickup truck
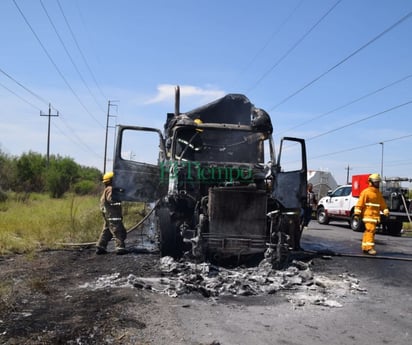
339 204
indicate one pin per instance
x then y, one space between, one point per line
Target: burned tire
321 216
356 224
394 228
169 241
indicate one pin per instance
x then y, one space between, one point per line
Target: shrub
3 195
60 174
86 187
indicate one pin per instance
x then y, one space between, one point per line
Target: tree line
32 172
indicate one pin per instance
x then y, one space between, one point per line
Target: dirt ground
61 297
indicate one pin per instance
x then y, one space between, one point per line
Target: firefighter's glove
386 212
356 217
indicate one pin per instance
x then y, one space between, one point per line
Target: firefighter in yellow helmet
368 207
113 220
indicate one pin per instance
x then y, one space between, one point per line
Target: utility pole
109 104
347 174
48 132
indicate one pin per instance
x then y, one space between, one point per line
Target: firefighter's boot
100 250
101 245
120 248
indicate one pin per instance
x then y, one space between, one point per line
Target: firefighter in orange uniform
368 207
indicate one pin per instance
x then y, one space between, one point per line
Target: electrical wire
69 55
19 97
72 132
380 35
78 47
24 87
348 103
361 147
293 46
55 65
82 55
272 36
360 120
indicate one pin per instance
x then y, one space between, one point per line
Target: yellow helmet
374 178
198 122
107 176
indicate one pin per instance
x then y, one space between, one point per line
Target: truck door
291 174
139 155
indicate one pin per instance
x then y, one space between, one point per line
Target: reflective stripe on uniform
114 218
115 204
371 220
372 204
368 243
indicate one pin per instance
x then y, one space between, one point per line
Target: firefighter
113 220
368 207
311 203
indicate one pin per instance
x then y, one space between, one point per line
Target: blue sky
337 73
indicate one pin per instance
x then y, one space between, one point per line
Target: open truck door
139 155
289 185
291 175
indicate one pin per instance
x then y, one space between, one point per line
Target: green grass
37 222
33 222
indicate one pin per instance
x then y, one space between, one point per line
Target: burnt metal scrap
298 282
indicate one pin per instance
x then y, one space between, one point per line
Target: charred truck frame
220 190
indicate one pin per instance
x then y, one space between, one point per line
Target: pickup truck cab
339 204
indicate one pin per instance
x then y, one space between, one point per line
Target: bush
86 188
60 175
30 170
3 196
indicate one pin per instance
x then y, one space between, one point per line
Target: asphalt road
340 239
380 315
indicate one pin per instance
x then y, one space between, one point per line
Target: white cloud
166 93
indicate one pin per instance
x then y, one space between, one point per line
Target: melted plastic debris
298 281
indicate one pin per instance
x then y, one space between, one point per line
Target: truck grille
237 219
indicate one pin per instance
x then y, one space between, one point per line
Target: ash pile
297 282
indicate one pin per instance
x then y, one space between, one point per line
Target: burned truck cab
221 190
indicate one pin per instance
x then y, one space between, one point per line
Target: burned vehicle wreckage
219 189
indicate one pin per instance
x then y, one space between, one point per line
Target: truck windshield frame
219 145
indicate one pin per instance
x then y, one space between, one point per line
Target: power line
360 120
81 54
72 132
67 53
19 97
294 46
344 60
80 141
24 87
272 36
54 64
348 103
361 147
